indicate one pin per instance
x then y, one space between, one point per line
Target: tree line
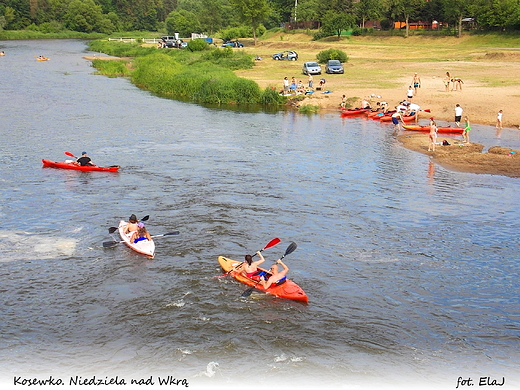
247 18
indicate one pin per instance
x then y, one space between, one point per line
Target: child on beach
467 129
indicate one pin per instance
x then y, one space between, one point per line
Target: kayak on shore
287 290
354 111
440 129
406 118
71 165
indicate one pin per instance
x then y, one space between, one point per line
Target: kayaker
276 277
84 160
141 234
131 226
250 267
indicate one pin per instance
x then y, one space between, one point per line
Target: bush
331 54
198 44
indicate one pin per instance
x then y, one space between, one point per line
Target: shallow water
411 270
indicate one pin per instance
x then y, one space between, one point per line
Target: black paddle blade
112 230
145 218
290 249
109 244
248 292
175 233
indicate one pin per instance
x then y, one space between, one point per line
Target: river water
411 270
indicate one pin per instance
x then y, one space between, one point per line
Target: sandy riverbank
384 68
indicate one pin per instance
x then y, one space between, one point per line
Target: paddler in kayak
141 234
84 160
250 267
276 277
131 226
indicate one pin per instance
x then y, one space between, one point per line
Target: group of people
249 269
136 231
456 83
291 87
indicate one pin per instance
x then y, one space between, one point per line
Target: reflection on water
411 269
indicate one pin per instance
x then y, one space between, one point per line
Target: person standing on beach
432 135
285 85
343 104
409 94
416 82
447 80
499 120
310 80
467 129
458 114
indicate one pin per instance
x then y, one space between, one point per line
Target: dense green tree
455 11
404 10
86 16
253 12
368 10
182 22
308 10
336 22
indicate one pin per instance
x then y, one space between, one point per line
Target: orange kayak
440 129
287 290
407 118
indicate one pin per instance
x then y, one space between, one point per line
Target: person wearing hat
84 160
131 226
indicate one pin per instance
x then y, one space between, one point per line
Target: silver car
311 68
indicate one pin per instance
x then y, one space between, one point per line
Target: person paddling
131 226
141 234
84 160
277 277
250 267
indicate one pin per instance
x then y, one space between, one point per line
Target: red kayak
440 129
354 111
406 118
71 165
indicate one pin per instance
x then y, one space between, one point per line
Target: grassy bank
205 76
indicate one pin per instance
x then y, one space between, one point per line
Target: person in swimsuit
447 80
432 135
277 277
467 129
416 82
141 234
131 226
396 116
499 120
250 267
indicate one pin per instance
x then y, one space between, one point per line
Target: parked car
334 66
232 44
286 55
174 43
311 68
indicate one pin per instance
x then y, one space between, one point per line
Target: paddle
273 242
108 244
70 154
290 249
113 229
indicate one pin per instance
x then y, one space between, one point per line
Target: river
411 269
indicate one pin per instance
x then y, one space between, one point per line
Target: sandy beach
382 69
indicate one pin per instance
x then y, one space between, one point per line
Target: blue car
232 44
334 66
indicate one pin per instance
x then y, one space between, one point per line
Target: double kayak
72 165
287 289
440 129
146 247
